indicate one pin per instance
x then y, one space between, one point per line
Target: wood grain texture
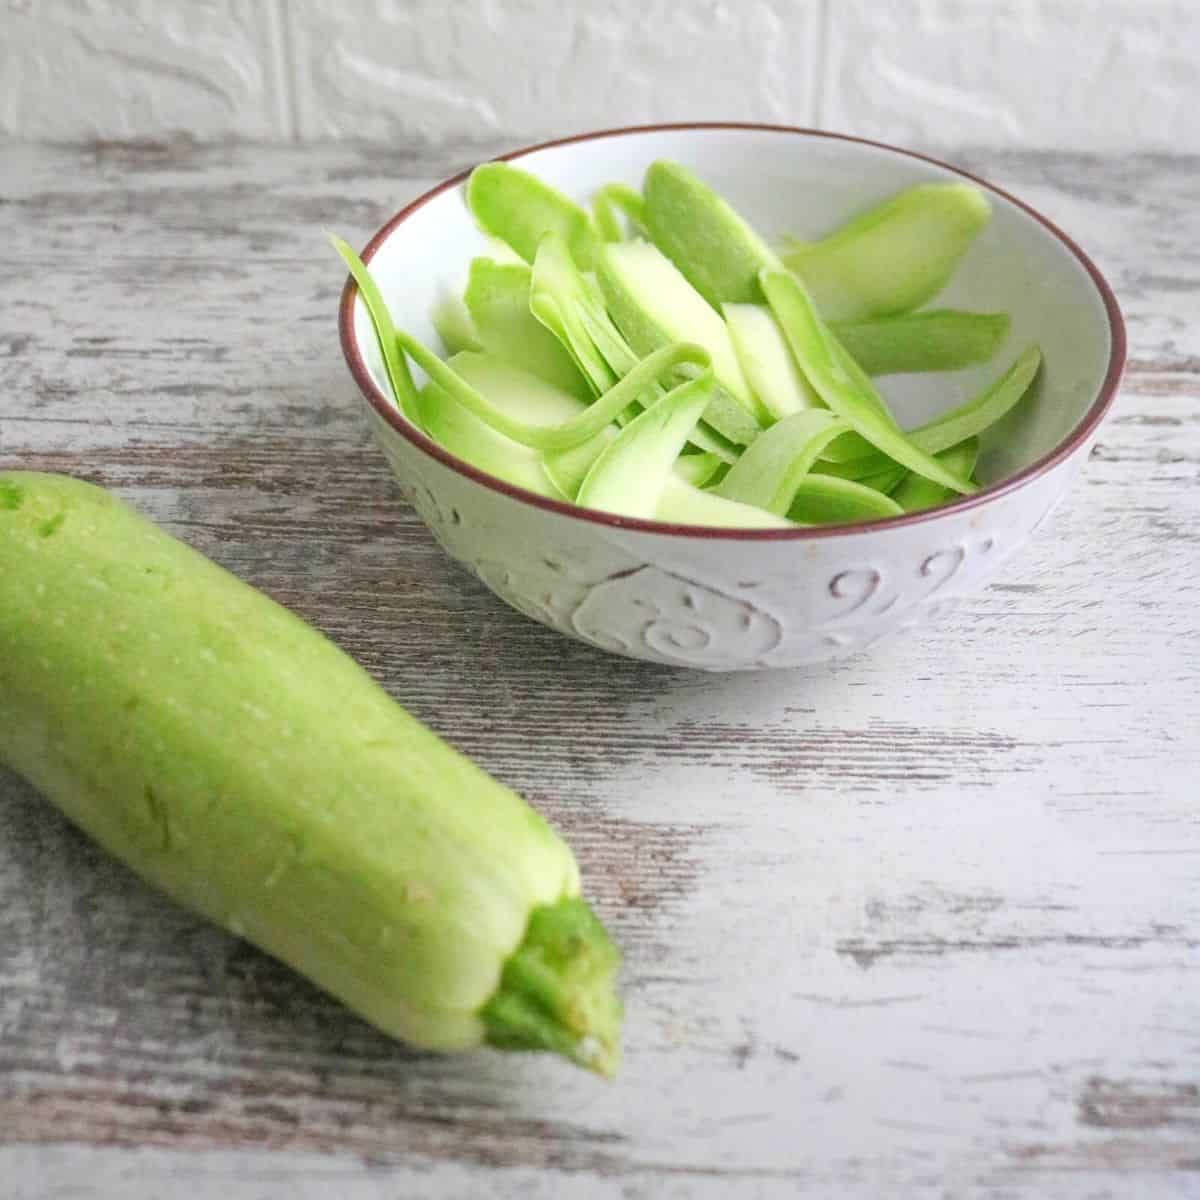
924 924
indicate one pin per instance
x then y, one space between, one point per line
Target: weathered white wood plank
923 924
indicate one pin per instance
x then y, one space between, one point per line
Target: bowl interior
788 182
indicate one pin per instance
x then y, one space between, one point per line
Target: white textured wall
1083 74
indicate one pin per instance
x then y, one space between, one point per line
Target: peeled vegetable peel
767 360
654 305
893 257
827 500
614 198
497 299
846 391
665 296
771 469
520 209
938 340
629 476
404 391
856 458
718 253
915 493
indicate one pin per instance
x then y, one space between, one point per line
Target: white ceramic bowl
725 600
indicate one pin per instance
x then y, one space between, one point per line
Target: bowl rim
1075 439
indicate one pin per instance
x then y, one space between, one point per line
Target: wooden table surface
925 924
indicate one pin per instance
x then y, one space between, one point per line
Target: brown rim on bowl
1077 437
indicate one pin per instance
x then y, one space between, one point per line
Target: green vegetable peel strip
454 325
886 479
682 503
558 297
697 469
628 199
629 477
893 257
767 361
707 439
607 223
567 469
561 437
615 350
939 340
854 468
497 299
465 435
571 433
652 304
915 493
827 500
968 419
568 305
562 300
404 391
712 246
976 415
847 392
520 209
615 196
772 466
522 397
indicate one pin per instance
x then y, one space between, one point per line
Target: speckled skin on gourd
241 762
